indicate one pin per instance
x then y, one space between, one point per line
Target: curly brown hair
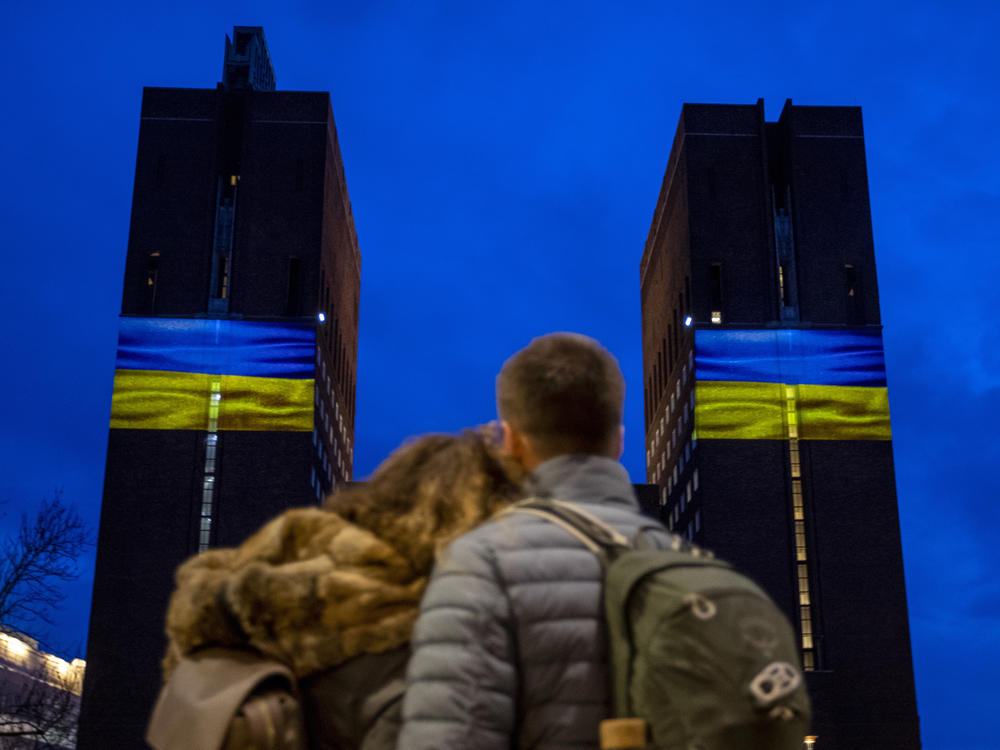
429 491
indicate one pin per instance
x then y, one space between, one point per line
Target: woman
332 593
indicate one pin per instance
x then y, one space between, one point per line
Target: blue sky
503 162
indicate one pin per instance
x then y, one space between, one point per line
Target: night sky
503 164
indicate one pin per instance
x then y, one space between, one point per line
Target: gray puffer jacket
510 648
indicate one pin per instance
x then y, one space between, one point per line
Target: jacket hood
309 589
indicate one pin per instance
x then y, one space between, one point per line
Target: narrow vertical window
160 175
293 292
676 337
222 276
152 270
853 298
715 292
210 473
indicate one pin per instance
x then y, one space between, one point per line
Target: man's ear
511 443
621 441
517 446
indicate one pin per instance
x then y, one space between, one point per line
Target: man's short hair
566 392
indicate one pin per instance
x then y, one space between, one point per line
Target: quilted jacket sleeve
461 681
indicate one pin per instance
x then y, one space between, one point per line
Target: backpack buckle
701 607
774 682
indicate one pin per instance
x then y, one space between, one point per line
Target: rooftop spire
247 64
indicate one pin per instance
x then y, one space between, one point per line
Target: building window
160 171
694 479
675 339
152 270
853 298
715 291
293 292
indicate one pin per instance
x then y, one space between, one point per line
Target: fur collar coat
309 589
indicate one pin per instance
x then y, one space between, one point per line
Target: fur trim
309 589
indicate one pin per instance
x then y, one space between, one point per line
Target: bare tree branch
36 562
39 693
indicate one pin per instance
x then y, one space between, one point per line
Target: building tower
235 378
767 418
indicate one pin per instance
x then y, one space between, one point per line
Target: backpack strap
601 538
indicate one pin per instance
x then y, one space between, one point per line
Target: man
510 648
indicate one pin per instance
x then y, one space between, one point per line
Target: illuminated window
694 480
152 268
715 291
854 300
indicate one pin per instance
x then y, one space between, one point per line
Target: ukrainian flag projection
172 374
776 384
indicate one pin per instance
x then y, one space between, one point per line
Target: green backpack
701 657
